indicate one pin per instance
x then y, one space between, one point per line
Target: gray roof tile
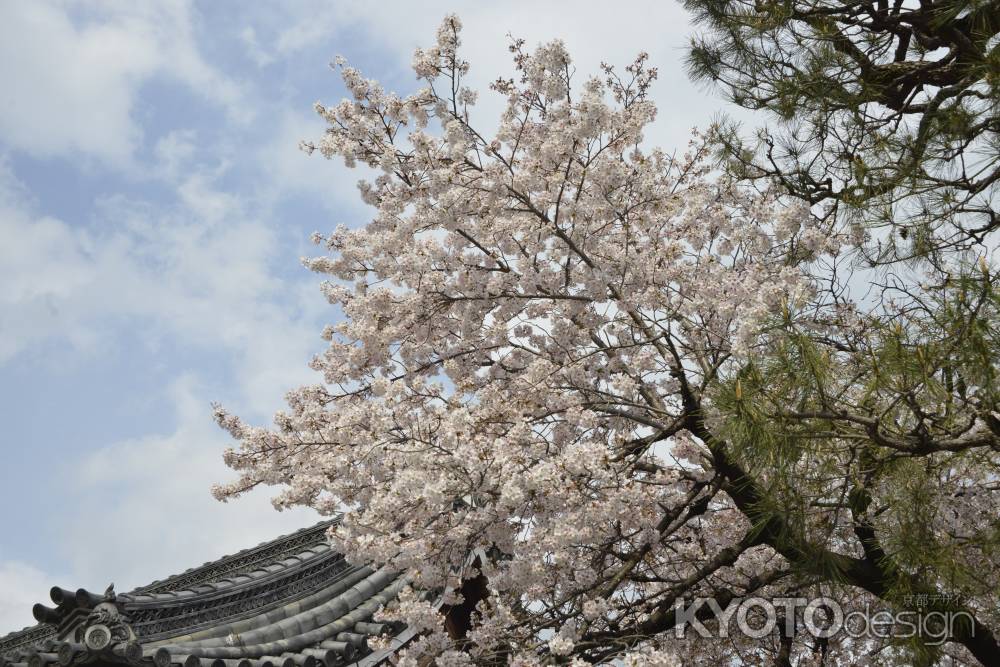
291 602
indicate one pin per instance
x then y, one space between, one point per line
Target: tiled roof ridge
293 601
229 565
241 561
164 616
27 636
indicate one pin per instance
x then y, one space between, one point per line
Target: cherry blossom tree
597 380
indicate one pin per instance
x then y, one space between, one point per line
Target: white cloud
249 38
205 272
23 585
201 272
172 152
70 87
141 508
288 172
42 268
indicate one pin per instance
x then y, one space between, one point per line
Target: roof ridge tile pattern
290 602
242 561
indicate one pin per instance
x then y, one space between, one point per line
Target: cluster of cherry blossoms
533 324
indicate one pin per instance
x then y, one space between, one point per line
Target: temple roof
290 602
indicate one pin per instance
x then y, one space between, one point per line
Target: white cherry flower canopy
554 349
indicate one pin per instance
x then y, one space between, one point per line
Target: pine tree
888 112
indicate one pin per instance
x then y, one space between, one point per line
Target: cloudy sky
153 210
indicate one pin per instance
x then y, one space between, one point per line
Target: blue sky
153 210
